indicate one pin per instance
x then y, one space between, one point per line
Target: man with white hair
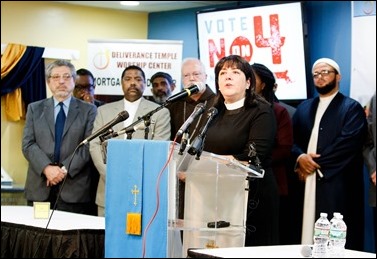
193 73
329 132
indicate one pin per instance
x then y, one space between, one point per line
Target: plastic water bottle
334 218
321 236
335 214
338 233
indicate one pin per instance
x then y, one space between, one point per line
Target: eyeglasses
65 77
195 74
323 73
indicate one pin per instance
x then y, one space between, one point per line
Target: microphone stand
147 121
254 161
104 151
129 134
184 141
106 135
198 144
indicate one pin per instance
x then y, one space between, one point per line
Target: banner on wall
363 56
272 35
108 58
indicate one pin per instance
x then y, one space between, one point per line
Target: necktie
59 126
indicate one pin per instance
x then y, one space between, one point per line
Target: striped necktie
59 126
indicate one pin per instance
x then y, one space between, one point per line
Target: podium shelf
201 226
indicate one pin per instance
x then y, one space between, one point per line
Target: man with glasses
329 132
84 90
192 72
84 87
49 153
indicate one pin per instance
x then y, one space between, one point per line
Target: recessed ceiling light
130 3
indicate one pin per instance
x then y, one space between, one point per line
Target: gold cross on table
135 192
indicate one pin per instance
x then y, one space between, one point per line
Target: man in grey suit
46 172
133 86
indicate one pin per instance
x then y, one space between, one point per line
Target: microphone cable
56 203
145 233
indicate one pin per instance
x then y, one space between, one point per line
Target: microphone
198 87
129 129
183 143
197 144
122 116
199 109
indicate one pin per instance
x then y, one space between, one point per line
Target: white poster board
363 57
271 35
108 58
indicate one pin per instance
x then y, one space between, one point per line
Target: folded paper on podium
143 200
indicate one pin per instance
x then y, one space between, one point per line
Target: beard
161 96
327 88
160 99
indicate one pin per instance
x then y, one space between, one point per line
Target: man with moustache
133 86
329 132
54 128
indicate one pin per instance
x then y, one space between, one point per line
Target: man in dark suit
84 90
369 153
84 87
329 132
47 170
133 86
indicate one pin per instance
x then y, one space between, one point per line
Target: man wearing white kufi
329 132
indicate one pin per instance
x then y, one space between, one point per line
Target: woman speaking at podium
244 119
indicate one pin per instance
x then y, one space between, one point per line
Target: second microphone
199 109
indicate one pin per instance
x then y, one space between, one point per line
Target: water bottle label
321 232
338 234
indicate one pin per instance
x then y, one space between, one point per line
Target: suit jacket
159 130
341 135
38 149
370 149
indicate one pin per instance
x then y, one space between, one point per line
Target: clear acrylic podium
215 190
